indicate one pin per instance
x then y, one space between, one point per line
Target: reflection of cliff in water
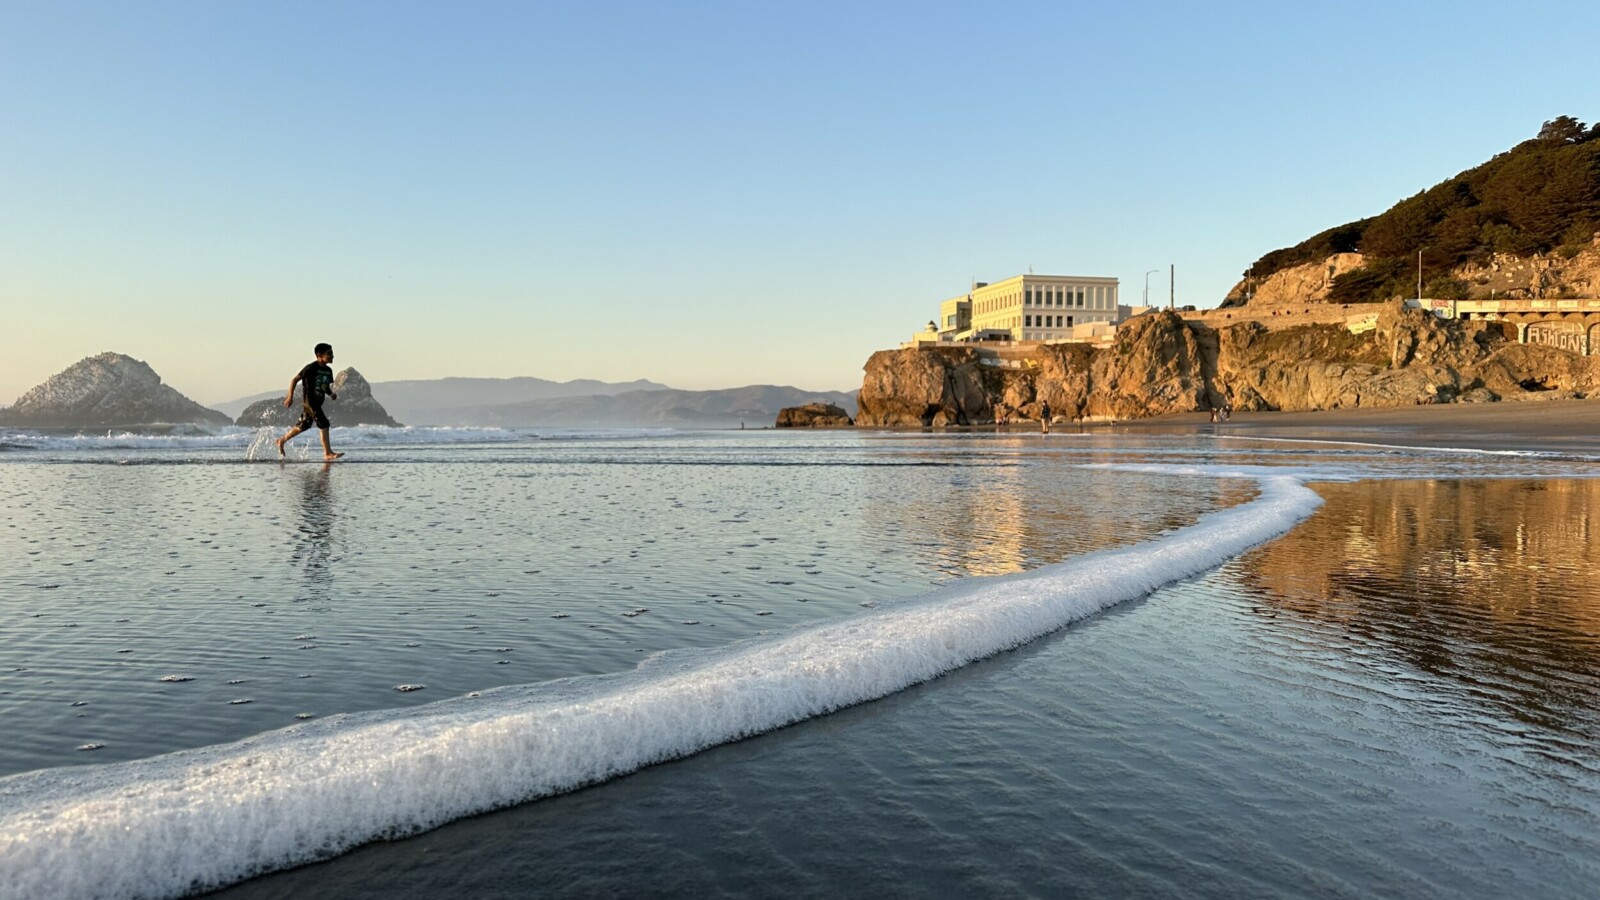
1492 584
1010 515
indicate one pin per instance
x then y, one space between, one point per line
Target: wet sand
1560 426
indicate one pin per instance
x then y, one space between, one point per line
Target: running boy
316 380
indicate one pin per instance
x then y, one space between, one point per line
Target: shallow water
1322 717
1396 697
305 590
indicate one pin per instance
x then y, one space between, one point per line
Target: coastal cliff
1160 364
107 391
355 406
1525 224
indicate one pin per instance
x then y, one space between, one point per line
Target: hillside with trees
1540 197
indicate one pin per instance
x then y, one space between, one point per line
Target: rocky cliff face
107 391
1161 364
1541 276
1296 285
355 406
1157 365
939 386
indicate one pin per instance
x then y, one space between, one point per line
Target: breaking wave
208 817
236 437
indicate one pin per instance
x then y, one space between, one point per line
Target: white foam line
1470 451
198 819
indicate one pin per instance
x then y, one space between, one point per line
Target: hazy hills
116 390
754 406
423 401
514 402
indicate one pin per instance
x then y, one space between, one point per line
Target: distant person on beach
316 381
1044 417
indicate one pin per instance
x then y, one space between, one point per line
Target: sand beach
1555 426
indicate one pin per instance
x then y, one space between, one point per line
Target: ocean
490 663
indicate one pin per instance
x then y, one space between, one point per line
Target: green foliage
1445 288
1540 195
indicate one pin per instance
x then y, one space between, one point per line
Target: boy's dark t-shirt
315 380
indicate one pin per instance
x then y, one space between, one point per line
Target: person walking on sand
1044 417
316 381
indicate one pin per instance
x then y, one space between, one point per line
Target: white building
1028 308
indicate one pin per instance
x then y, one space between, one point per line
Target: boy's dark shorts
310 414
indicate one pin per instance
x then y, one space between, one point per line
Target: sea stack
355 406
107 391
814 415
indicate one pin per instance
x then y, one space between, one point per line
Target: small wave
234 436
197 819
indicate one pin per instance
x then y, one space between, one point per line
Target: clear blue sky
703 194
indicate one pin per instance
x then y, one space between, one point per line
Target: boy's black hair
321 349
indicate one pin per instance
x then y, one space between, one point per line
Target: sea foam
203 818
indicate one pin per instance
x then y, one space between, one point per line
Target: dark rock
355 406
813 415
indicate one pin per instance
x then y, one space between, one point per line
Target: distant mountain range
516 402
431 401
755 406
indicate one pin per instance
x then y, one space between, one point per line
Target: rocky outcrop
1161 364
1157 365
938 386
1295 285
107 391
355 406
813 415
1574 272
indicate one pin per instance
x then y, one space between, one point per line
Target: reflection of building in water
996 524
1489 582
1011 514
313 551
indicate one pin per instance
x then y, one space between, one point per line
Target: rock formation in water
107 391
813 415
1160 364
355 406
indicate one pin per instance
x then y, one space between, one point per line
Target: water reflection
1490 584
313 551
1001 519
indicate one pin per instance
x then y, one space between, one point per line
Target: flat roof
1101 279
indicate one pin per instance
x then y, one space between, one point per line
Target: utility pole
1172 295
1419 274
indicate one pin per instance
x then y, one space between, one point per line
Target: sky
703 194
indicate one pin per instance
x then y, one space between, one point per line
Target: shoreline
1555 426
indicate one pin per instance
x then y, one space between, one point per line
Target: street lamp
1147 285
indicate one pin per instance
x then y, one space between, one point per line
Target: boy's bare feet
331 456
280 447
